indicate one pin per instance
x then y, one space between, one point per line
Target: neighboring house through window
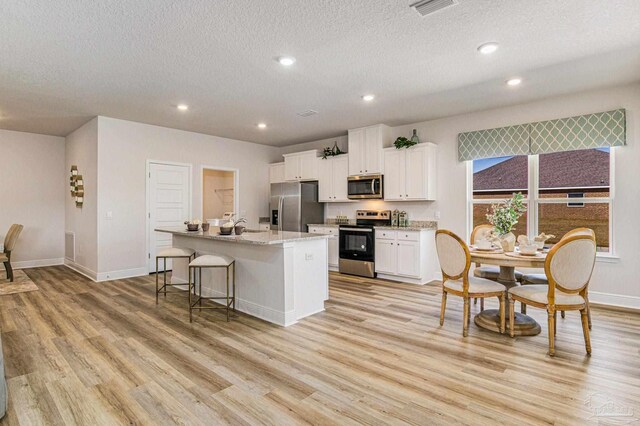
547 181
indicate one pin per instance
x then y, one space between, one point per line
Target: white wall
123 149
32 190
82 151
619 278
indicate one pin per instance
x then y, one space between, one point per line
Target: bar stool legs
170 253
195 271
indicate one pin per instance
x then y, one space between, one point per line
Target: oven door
357 244
361 187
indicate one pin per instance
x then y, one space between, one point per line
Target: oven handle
356 229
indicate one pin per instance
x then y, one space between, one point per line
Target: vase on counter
508 242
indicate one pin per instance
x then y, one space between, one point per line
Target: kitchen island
281 276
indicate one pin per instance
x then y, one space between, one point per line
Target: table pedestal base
524 325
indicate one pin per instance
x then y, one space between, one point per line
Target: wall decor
77 186
332 152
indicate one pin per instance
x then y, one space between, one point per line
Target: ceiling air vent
427 7
307 113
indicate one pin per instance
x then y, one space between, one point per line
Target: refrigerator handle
280 205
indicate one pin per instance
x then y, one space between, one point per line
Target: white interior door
169 205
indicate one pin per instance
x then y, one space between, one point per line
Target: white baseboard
92 275
37 263
618 300
118 275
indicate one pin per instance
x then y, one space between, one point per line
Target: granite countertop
258 238
415 226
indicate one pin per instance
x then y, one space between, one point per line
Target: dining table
489 319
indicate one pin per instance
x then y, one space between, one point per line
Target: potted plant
504 217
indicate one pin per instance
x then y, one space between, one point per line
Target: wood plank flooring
79 352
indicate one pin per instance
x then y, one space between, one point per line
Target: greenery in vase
504 216
403 142
331 151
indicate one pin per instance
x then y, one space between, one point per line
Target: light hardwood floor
78 352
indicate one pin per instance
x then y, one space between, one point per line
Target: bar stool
211 261
170 253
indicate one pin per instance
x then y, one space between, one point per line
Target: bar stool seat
171 253
176 252
211 261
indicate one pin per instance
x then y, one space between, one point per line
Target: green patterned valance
599 130
582 132
512 140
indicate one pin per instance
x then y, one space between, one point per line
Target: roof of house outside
569 169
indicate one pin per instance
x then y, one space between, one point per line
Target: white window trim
533 201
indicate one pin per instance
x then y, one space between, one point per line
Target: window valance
604 129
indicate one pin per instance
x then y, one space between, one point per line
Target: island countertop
251 237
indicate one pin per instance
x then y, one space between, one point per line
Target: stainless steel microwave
361 187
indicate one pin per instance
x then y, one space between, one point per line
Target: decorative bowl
530 249
192 226
239 229
205 227
226 230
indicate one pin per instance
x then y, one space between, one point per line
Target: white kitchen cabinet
276 173
332 179
301 166
407 256
386 256
332 243
365 149
410 174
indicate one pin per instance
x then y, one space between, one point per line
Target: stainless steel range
357 243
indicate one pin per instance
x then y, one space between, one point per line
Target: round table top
502 259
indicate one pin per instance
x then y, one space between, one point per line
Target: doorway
219 192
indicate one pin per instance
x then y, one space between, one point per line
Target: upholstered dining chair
9 243
487 272
528 279
455 262
568 266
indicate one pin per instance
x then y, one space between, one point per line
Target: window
548 181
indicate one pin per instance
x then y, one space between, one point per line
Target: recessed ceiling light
286 61
183 107
368 98
488 48
262 126
514 81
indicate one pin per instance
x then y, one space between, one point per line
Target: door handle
280 207
373 186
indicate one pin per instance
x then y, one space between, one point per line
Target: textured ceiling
63 62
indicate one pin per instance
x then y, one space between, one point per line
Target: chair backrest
11 237
453 254
570 263
580 231
481 232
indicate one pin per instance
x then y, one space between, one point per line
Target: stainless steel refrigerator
294 205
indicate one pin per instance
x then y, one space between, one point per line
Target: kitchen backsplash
417 211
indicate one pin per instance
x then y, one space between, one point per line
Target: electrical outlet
438 215
109 215
308 256
1 248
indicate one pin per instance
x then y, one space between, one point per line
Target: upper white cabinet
365 149
301 166
332 179
410 174
276 173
